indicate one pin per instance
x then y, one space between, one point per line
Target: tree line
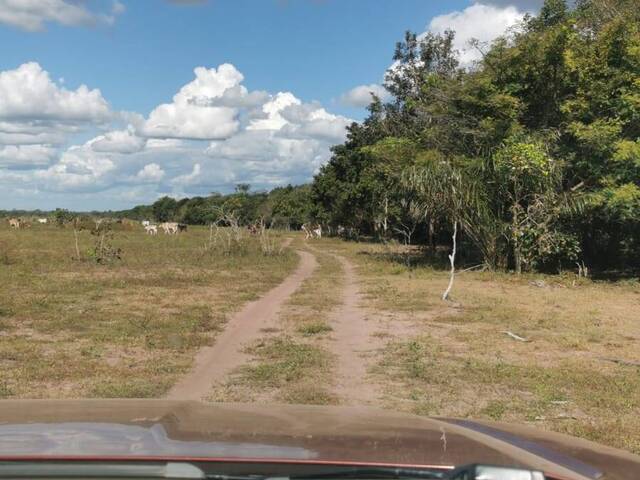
531 156
283 207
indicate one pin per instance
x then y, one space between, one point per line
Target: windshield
363 232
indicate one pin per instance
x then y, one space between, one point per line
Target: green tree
164 209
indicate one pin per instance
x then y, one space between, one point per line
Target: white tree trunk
385 225
452 259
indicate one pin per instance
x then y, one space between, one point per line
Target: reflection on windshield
126 440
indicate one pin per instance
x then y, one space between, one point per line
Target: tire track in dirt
354 344
214 363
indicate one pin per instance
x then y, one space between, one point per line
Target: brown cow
15 223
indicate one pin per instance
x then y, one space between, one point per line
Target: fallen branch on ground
626 363
515 337
482 267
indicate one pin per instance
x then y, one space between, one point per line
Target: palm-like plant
446 194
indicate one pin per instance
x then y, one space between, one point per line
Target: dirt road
354 344
212 364
353 340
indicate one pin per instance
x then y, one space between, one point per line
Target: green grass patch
314 328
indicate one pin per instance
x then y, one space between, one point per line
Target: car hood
145 429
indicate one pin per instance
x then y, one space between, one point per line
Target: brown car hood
142 429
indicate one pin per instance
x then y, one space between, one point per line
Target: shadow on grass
420 257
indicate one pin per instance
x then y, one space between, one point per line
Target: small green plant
314 328
495 409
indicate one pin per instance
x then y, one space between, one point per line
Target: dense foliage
539 142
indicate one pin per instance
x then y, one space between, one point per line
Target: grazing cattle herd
169 228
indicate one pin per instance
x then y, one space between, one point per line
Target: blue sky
124 139
318 49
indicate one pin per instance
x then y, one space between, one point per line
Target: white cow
310 231
170 228
151 229
146 223
43 221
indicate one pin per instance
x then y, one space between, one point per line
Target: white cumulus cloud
213 134
26 156
79 169
484 22
29 96
151 172
360 96
188 178
481 22
31 15
120 141
271 118
195 112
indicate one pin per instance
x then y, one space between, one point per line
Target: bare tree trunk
452 259
432 229
517 253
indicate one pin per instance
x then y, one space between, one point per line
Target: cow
146 223
43 221
169 228
310 231
151 229
182 227
15 223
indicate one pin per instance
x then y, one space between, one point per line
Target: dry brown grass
455 359
78 329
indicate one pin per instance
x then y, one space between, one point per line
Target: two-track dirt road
214 363
352 341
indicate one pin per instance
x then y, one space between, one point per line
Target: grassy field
71 328
576 373
76 328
